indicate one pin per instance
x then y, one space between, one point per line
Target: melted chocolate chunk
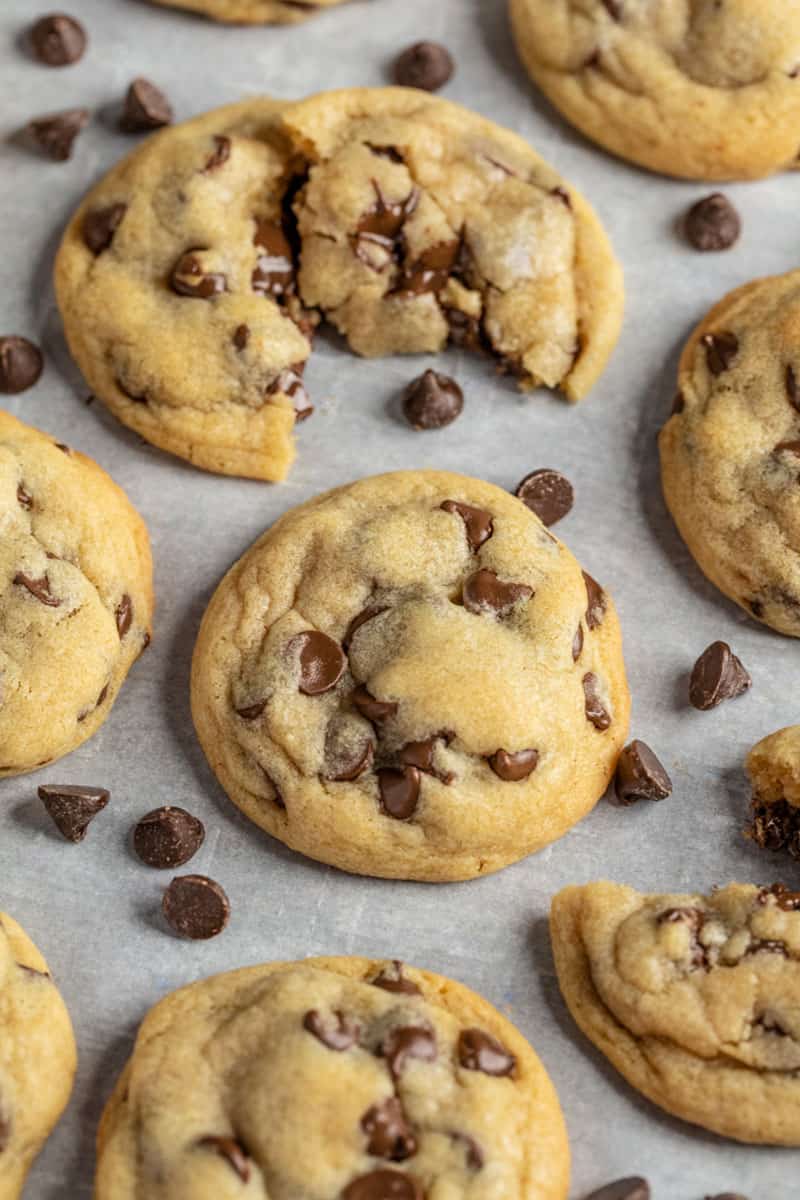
465 330
73 808
478 524
251 712
338 1032
374 710
124 615
389 1134
196 907
721 350
346 761
596 711
168 837
384 1184
290 383
366 614
479 1051
322 662
392 979
222 152
776 826
430 272
577 644
716 676
38 588
597 602
145 108
432 401
513 767
785 900
191 277
54 134
232 1151
274 272
21 364
399 791
405 1042
484 593
640 775
24 499
100 225
420 755
547 493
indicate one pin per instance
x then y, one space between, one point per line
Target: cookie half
773 766
701 91
193 276
253 12
692 998
409 677
730 453
331 1077
37 1056
76 596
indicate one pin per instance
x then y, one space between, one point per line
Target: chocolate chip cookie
692 998
76 597
192 278
773 766
702 90
332 1077
410 677
37 1056
253 12
730 453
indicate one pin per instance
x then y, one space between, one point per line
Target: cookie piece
773 767
253 12
191 279
316 1079
692 998
37 1056
409 677
700 90
76 596
730 453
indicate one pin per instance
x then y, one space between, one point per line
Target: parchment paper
93 908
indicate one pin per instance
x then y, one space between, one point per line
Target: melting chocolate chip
596 711
196 907
375 242
721 350
712 223
473 1152
290 383
405 1042
425 65
577 644
389 1134
222 152
58 40
483 592
383 1184
241 336
55 133
430 272
784 899
478 523
374 710
38 588
322 661
563 195
547 493
100 225
145 108
792 386
5 1127
251 712
392 979
596 608
366 614
73 808
632 1188
273 273
716 676
346 759
339 1032
21 364
123 615
640 775
399 791
788 448
512 767
24 499
432 401
678 403
232 1151
168 837
191 277
613 8
465 330
776 826
479 1051
420 755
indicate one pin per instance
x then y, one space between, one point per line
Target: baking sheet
93 908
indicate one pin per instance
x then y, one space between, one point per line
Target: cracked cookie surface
692 998
703 89
76 597
331 1079
730 453
192 277
773 766
37 1056
253 12
410 677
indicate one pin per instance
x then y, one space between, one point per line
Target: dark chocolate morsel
374 710
478 524
425 65
38 588
479 1051
124 615
145 108
432 401
399 791
392 979
640 775
322 661
483 592
72 808
21 364
389 1134
405 1042
168 837
712 223
596 712
716 676
337 1032
548 493
196 907
512 767
721 350
597 602
58 40
55 133
100 225
383 1184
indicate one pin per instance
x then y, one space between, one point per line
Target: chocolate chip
389 1135
192 277
232 1151
21 364
38 588
429 272
613 8
478 523
473 1152
241 336
290 383
222 152
426 65
274 272
58 40
479 1051
792 386
339 1032
727 1196
252 711
168 837
55 133
632 1188
547 493
24 499
712 223
145 108
6 1125
195 906
640 775
577 643
100 225
716 676
791 447
399 790
374 710
420 755
383 1184
512 767
322 661
405 1042
597 602
432 401
721 350
483 592
785 900
346 758
392 979
123 615
366 614
776 826
678 403
465 330
596 711
72 808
